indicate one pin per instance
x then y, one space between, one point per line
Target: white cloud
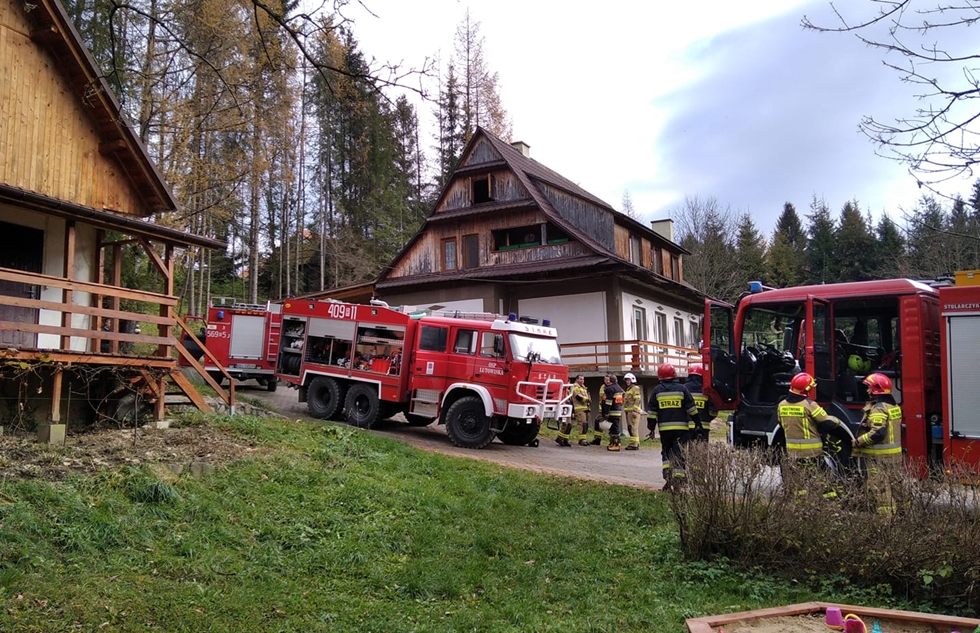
718 98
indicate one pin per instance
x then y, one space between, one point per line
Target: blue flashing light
546 323
221 314
756 286
512 317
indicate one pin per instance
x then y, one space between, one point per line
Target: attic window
528 236
482 189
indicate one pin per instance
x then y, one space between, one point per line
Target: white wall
53 264
578 318
652 308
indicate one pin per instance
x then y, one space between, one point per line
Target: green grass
343 531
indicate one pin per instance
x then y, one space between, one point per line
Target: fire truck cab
838 333
483 377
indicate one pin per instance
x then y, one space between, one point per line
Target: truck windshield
534 349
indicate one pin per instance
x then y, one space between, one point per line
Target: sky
714 99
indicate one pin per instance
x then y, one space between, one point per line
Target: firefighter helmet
878 384
695 370
858 364
666 372
629 377
801 384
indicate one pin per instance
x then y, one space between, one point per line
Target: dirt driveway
641 469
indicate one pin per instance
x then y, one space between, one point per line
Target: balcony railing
97 337
621 356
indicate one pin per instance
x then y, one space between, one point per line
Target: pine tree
819 254
889 250
785 256
855 246
750 250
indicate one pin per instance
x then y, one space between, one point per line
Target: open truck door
718 354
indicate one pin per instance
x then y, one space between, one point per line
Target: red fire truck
481 377
925 339
244 337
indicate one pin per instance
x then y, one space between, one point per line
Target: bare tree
939 140
628 208
708 230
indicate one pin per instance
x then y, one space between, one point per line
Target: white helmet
629 377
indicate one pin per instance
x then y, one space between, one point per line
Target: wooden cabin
76 187
509 235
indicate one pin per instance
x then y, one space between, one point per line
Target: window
471 251
679 332
639 324
675 267
695 335
465 342
449 254
482 189
658 260
492 345
528 236
634 249
432 339
660 335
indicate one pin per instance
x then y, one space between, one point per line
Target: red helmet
801 384
695 370
666 372
878 384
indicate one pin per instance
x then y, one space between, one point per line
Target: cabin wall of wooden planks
48 144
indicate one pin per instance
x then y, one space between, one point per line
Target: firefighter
804 423
581 404
612 410
672 409
879 442
706 408
632 404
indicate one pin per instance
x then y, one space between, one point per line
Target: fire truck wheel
217 376
519 434
363 406
467 423
271 383
324 398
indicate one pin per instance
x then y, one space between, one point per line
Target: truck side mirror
498 345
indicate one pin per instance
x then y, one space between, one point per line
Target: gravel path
640 469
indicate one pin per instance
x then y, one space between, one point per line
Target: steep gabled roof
52 28
530 173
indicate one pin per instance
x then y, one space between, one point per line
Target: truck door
429 370
718 353
820 347
471 360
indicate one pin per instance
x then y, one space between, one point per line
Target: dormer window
528 237
483 189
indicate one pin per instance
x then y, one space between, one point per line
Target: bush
736 507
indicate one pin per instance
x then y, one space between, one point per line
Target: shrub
736 507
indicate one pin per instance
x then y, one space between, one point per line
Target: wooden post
53 432
96 321
69 270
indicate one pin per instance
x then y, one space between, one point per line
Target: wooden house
76 185
508 235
